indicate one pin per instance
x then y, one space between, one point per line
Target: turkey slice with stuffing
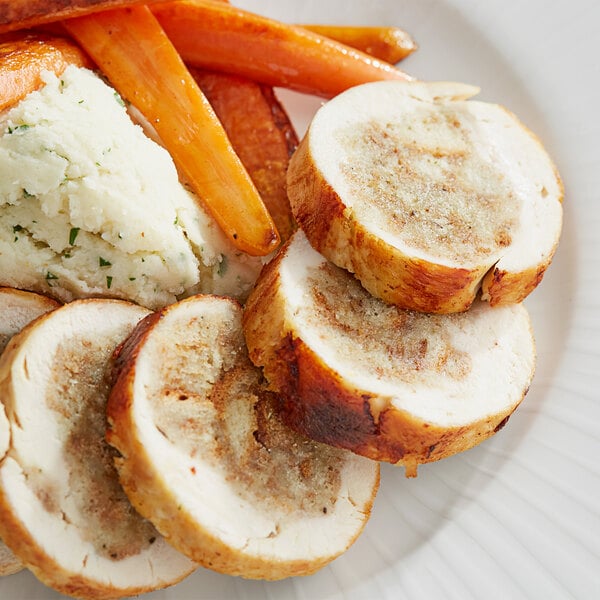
427 196
62 510
394 385
205 457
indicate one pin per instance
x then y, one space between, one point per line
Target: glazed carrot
260 133
220 37
23 58
22 14
390 44
132 50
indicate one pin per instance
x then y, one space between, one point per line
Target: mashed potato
90 206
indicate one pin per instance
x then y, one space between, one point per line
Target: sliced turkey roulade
205 457
62 510
427 196
394 385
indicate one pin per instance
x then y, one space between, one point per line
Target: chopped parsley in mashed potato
90 206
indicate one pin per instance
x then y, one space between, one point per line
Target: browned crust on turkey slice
54 574
503 287
384 271
323 407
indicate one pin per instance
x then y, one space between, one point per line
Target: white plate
519 516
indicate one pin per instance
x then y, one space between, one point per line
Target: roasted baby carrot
21 14
23 58
134 53
260 133
218 36
389 44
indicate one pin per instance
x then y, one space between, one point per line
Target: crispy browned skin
20 14
501 287
321 405
396 278
261 134
23 57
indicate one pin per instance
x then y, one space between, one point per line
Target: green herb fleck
132 279
23 127
16 229
108 281
176 221
73 235
26 194
222 269
103 262
50 276
119 99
